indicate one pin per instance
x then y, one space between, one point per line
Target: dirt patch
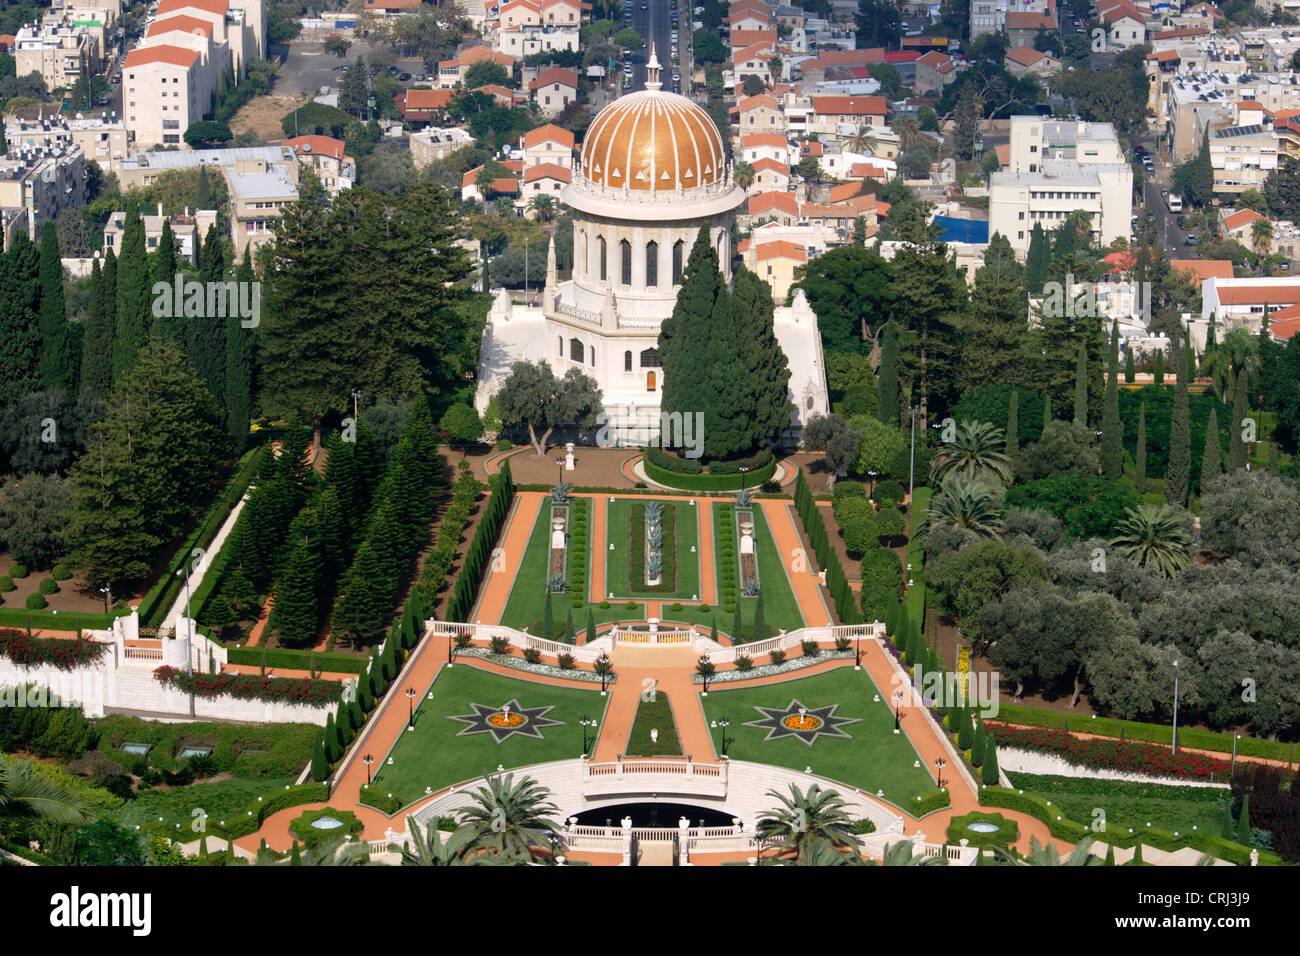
261 116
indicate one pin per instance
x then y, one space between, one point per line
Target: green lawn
873 758
687 534
654 714
527 599
220 800
1129 805
432 755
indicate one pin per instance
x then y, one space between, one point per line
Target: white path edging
1015 760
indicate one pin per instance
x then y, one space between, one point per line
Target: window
649 381
627 361
625 260
651 264
650 359
559 349
678 248
591 356
575 350
601 246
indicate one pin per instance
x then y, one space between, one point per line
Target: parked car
404 77
1182 221
1191 240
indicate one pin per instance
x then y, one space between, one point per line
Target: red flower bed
1109 754
35 651
280 690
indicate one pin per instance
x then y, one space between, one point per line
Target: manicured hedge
480 549
677 465
300 660
709 482
59 620
257 813
159 598
928 802
64 655
282 690
846 605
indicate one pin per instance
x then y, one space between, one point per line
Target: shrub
744 662
849 510
565 662
928 802
61 572
889 492
504 445
532 655
6 584
630 605
36 601
843 643
381 800
604 605
500 645
1007 831
778 656
861 535
890 523
810 648
848 489
18 570
770 487
48 586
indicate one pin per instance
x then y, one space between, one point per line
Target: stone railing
575 312
654 776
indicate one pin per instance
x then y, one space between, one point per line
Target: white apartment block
101 138
1214 95
1055 168
524 27
1242 155
99 19
43 182
59 53
188 230
258 192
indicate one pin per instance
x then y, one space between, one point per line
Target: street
654 23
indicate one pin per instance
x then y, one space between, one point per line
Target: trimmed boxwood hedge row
257 813
301 660
380 800
928 802
709 482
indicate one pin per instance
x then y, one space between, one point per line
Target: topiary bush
36 601
889 492
848 489
48 586
18 570
6 584
61 572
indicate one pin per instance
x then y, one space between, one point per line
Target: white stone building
651 173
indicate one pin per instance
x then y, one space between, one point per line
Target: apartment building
1243 154
433 144
58 51
554 89
258 192
525 27
1055 168
163 92
451 73
101 138
548 145
44 182
188 230
143 169
326 156
829 113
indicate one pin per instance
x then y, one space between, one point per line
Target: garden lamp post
705 668
410 701
356 401
744 481
602 668
105 591
1175 736
857 652
939 764
723 723
367 760
189 633
554 839
559 479
898 709
586 722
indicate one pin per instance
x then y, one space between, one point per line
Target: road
654 23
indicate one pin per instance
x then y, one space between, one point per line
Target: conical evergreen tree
331 739
1081 386
1047 411
1110 855
1212 455
20 339
737 627
1013 426
1140 456
1243 821
1130 370
320 768
978 744
295 616
760 623
713 626
767 370
569 633
591 626
548 617
1112 429
1037 260
164 258
203 195
682 334
1159 374
728 421
1178 473
97 343
360 615
890 412
295 856
134 314
989 772
1236 444
56 368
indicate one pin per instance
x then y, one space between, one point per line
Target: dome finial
652 71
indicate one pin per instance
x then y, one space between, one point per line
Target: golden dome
653 140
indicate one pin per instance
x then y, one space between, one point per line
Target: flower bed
767 670
547 670
302 691
26 651
1110 754
636 563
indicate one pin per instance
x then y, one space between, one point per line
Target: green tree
1037 259
803 820
1178 473
766 367
1081 386
508 817
97 340
850 289
1236 444
295 616
1013 428
56 366
890 412
533 399
462 424
133 299
1155 535
1140 457
1112 429
237 391
1212 455
976 452
994 334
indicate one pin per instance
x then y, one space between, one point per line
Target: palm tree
1155 535
1040 855
25 792
508 818
900 854
743 174
1261 236
965 504
427 848
862 141
976 451
823 853
804 819
544 206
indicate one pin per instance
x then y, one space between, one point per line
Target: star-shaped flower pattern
507 720
802 723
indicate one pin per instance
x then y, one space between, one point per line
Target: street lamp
857 652
586 722
723 723
1175 740
105 591
744 483
939 764
367 760
898 708
356 400
189 633
560 477
410 701
602 668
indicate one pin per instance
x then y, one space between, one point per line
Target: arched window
649 381
559 346
650 359
591 356
678 249
600 242
651 264
627 361
575 350
625 256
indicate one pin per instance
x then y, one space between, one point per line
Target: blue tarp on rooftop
962 230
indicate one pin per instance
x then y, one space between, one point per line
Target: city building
58 51
324 154
101 138
554 89
188 229
43 181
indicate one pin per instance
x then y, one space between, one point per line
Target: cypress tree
1140 456
1243 822
56 369
1047 411
164 259
760 624
133 300
20 340
965 735
1110 855
989 772
1137 855
1211 343
713 626
97 343
295 857
331 739
1236 444
1037 260
548 616
213 268
737 627
682 336
569 633
591 627
1180 443
889 411
1013 426
766 368
1227 830
1112 429
203 198
978 744
320 768
1081 385
1130 370
1160 367
1211 457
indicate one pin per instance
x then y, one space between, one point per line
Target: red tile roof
428 99
774 140
546 171
773 201
163 53
555 74
1020 20
850 105
761 100
766 163
219 7
844 191
1258 295
548 132
182 22
1241 218
1025 55
1202 269
781 249
316 146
